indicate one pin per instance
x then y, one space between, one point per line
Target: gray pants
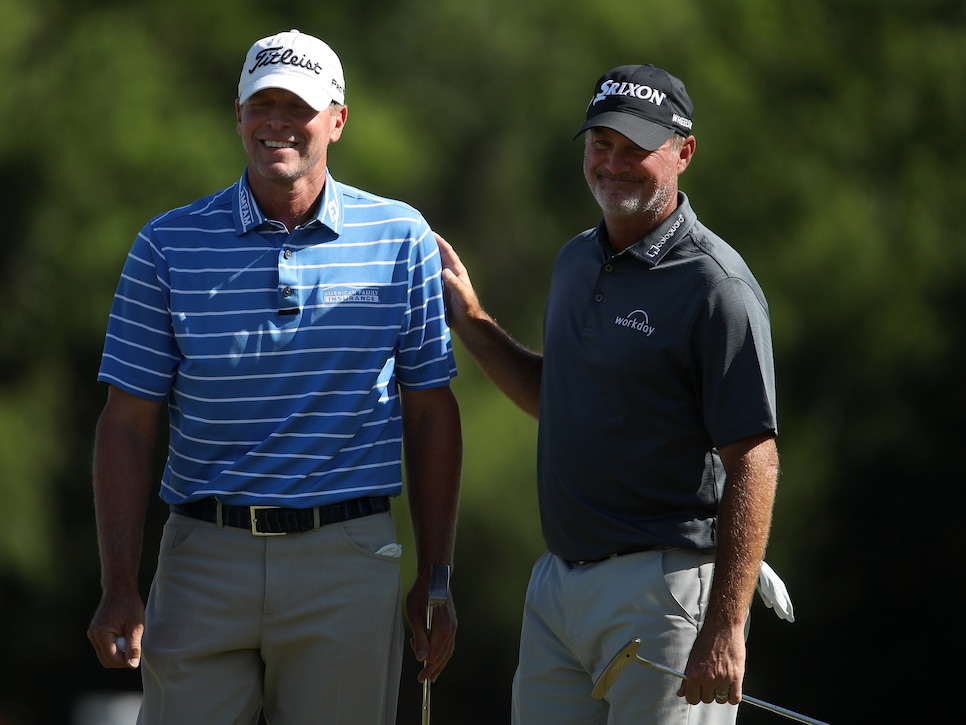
577 618
307 625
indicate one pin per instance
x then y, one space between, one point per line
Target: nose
278 117
276 113
617 161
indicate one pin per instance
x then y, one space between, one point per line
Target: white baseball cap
295 62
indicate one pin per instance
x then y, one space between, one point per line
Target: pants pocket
687 575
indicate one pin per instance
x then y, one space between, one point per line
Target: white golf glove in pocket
392 551
774 594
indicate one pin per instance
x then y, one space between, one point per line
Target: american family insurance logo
337 295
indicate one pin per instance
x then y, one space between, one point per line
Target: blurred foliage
829 154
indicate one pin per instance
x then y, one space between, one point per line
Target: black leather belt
275 521
587 562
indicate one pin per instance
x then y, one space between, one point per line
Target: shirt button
608 267
598 297
287 292
288 254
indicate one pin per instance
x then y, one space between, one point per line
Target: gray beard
628 206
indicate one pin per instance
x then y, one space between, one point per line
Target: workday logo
636 320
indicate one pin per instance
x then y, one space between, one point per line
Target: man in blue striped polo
294 328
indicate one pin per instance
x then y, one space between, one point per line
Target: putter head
614 668
438 584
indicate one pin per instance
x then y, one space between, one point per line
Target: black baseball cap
643 102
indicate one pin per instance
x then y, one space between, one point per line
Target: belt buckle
255 532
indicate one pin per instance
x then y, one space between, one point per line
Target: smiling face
286 140
635 188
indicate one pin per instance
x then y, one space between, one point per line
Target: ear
339 125
237 117
686 153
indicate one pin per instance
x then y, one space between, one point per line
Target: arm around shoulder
512 367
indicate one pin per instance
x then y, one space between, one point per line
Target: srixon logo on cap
635 90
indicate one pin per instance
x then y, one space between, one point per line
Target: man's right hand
119 620
461 299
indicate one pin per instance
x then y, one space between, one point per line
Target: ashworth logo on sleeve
622 88
244 207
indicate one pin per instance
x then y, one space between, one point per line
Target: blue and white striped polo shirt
280 353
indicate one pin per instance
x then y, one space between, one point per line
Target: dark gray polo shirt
653 358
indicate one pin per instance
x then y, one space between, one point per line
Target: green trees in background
828 152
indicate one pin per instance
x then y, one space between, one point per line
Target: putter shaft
620 660
427 683
744 698
438 593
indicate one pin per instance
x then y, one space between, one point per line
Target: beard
629 203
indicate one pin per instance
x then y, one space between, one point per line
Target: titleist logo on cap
286 56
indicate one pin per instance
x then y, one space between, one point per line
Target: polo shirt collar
248 216
656 244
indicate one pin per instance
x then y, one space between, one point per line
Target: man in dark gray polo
657 464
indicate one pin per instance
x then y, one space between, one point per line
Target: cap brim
645 134
305 89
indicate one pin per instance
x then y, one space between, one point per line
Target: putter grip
438 584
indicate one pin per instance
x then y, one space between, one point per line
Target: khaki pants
307 626
577 618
